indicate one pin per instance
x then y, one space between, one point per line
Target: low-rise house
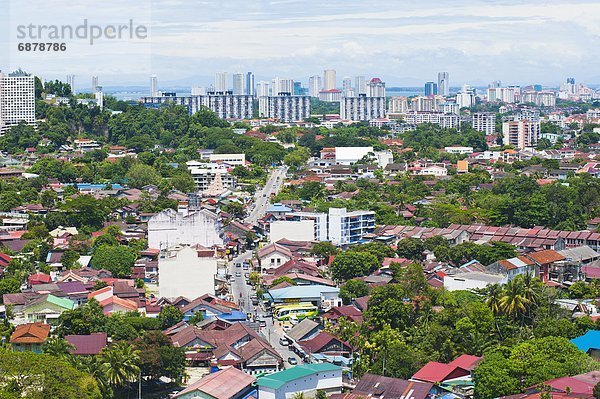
213 307
111 303
47 308
321 295
306 379
325 343
377 386
436 372
303 331
349 312
272 256
580 385
472 280
228 383
39 278
546 263
29 337
512 267
87 345
589 343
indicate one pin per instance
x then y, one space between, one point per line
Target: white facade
398 105
231 159
347 86
507 95
181 272
362 108
221 81
225 104
347 228
465 97
205 173
350 155
472 280
262 89
153 85
286 108
319 220
328 381
484 122
169 228
314 86
329 79
238 83
444 83
521 134
539 98
280 86
443 120
301 230
458 150
17 99
376 88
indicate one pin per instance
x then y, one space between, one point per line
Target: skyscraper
262 89
153 85
443 83
361 85
329 81
376 88
238 83
71 82
347 86
94 84
99 97
282 86
431 89
250 84
314 85
221 81
17 99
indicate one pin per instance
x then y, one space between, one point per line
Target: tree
118 259
29 375
596 391
83 320
141 175
352 264
9 285
282 279
353 289
196 318
505 371
69 258
378 249
119 363
158 356
410 248
184 182
324 249
169 316
57 347
513 302
388 306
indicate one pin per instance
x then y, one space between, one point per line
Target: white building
154 85
249 84
484 122
362 108
465 97
398 105
17 99
314 86
187 271
347 86
329 79
458 150
231 159
346 228
539 98
204 174
169 228
262 89
376 88
443 120
225 104
238 83
507 95
521 133
221 81
350 155
285 108
426 104
472 280
319 223
304 379
281 86
300 230
330 96
449 107
361 85
444 83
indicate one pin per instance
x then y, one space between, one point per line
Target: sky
405 43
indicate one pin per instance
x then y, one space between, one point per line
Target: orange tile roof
31 333
545 257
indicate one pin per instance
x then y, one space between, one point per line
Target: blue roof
301 291
589 340
278 207
234 315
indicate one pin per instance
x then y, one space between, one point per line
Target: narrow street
262 197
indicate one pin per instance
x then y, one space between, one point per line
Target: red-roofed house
30 337
39 278
350 312
439 372
87 345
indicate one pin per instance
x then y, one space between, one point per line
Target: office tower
221 82
262 89
571 81
238 83
362 108
431 89
521 134
494 84
153 85
443 83
361 85
94 83
71 83
282 86
329 81
99 97
484 122
314 85
250 84
17 99
298 88
347 86
398 105
285 108
465 97
376 88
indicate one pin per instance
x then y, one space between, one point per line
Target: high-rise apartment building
376 88
250 84
221 81
507 95
94 83
539 98
362 108
443 83
225 104
153 85
262 89
431 89
282 86
285 108
360 84
329 79
347 87
484 122
521 133
99 95
238 84
71 83
17 99
465 97
314 85
398 105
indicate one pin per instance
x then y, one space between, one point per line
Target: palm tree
58 347
494 295
120 364
513 302
530 288
93 366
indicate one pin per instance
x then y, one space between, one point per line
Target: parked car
238 274
262 323
284 341
292 360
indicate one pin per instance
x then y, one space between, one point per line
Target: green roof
62 302
277 380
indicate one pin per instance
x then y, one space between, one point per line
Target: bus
297 310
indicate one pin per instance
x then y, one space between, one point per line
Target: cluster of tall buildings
17 99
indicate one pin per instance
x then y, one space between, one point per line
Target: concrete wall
302 230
